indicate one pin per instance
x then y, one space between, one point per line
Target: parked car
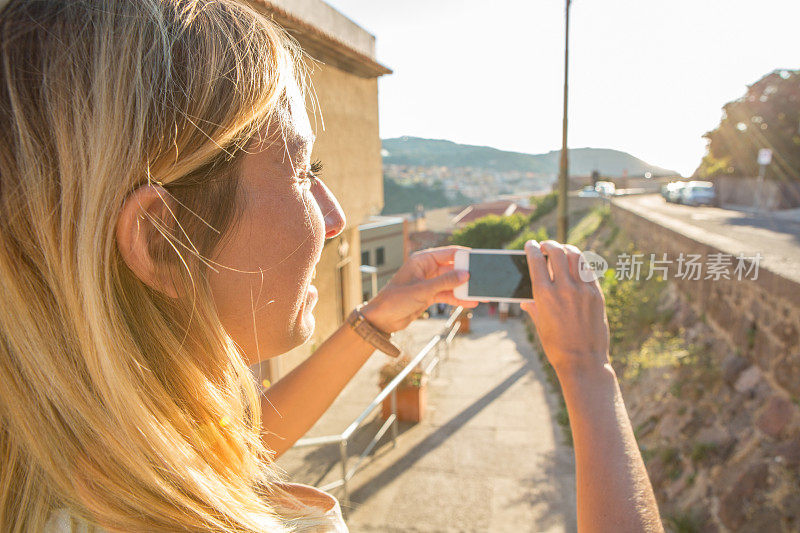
589 192
606 188
672 191
698 193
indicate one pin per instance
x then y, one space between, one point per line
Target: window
365 257
379 256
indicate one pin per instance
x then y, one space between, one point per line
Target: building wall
349 147
744 192
328 20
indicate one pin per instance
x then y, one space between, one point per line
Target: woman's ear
135 233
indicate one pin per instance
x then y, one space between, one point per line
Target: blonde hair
132 410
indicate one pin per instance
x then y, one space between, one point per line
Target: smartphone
494 275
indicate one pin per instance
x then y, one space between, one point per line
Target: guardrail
445 338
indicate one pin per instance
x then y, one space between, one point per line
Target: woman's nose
331 211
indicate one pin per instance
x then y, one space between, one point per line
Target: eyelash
316 168
314 172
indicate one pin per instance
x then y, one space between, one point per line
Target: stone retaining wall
759 318
725 442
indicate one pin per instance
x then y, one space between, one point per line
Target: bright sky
646 76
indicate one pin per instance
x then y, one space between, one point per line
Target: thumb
530 308
446 282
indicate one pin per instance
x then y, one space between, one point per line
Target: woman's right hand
569 313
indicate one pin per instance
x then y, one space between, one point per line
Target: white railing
444 338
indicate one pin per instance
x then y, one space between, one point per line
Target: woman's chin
300 334
306 321
296 337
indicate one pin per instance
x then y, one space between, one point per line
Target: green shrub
528 234
632 307
701 450
587 225
542 205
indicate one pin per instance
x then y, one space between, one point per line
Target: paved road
776 235
488 456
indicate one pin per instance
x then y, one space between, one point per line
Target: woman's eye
312 175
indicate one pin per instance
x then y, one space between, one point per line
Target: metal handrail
446 336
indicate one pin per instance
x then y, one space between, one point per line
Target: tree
767 116
491 231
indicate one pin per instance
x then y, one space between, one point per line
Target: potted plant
411 392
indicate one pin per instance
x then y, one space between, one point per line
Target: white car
606 188
672 191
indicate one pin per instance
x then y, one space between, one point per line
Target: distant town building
429 229
383 251
473 212
471 182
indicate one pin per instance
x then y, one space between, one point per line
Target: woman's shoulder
314 497
61 520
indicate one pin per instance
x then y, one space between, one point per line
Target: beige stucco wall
349 147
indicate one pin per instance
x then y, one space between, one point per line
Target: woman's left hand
427 277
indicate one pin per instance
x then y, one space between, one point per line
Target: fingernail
533 245
462 275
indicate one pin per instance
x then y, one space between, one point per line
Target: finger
573 259
440 269
558 260
445 282
537 265
446 297
442 255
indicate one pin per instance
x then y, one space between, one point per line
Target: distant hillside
434 152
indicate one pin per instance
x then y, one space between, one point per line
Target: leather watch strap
364 328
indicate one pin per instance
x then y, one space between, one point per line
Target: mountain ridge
418 151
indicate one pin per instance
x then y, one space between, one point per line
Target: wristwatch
380 340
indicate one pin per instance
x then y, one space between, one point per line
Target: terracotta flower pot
411 392
411 404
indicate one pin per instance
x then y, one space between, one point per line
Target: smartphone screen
499 276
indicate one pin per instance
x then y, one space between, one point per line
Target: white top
60 519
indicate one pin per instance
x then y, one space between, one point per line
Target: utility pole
764 159
563 175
